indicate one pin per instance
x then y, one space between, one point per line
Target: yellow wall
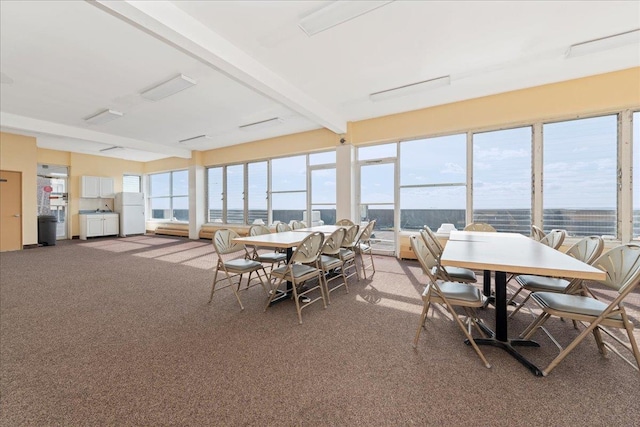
574 98
304 142
18 153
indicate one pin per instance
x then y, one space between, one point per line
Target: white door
377 200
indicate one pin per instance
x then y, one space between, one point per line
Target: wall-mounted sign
48 189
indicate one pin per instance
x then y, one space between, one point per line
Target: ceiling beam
169 23
28 124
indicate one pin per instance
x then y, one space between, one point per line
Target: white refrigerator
130 206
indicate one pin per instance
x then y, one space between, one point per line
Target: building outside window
502 179
579 176
322 173
169 195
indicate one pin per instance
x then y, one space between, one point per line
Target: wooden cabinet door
106 188
89 186
10 211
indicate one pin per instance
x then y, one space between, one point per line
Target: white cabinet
93 225
96 187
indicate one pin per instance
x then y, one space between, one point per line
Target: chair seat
272 257
461 273
329 262
346 253
299 271
576 304
242 265
541 283
460 292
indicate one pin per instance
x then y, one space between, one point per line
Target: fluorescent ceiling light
170 87
103 117
410 89
604 43
336 13
113 149
263 124
195 139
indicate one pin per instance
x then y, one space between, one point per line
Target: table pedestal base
508 346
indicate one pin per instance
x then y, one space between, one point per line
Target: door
10 211
53 195
95 225
377 200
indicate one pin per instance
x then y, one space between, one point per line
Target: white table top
513 253
285 239
326 229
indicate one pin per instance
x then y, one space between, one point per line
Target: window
323 197
377 152
288 188
169 195
502 179
433 182
636 175
257 192
131 183
214 195
234 194
579 176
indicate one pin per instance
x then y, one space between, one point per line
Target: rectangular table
326 229
283 240
510 253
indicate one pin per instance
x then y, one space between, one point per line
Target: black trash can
47 230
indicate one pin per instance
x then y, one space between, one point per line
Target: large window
580 185
258 194
234 194
322 173
433 182
636 175
502 179
169 195
288 188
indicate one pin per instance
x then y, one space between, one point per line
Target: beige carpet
119 332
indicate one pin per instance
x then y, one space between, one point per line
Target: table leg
500 336
486 289
284 295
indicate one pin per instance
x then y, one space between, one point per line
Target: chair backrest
281 226
332 244
433 237
350 236
344 221
296 225
365 235
554 238
537 233
222 242
309 249
480 226
425 257
258 230
587 249
622 265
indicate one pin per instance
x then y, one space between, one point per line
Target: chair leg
567 350
515 294
520 305
539 321
213 285
628 326
468 335
598 336
235 291
423 317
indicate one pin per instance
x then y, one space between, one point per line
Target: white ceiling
62 61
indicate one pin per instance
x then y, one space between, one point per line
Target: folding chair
348 252
270 257
458 274
330 262
363 247
237 267
586 250
449 294
622 265
302 268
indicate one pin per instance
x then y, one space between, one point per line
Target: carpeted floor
119 332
